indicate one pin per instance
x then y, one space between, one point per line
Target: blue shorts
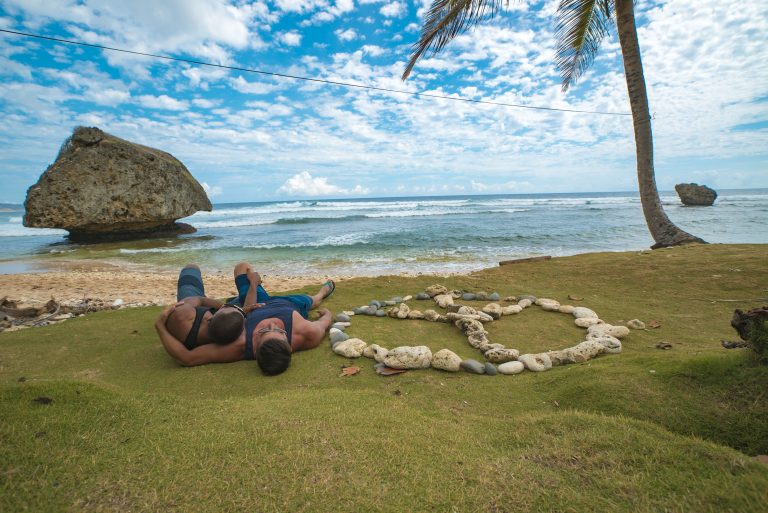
302 302
190 283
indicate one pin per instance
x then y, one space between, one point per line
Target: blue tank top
276 307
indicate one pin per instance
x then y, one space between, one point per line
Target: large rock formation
105 188
695 195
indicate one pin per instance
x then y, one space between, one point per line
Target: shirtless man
275 327
196 320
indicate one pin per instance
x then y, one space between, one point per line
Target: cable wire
308 79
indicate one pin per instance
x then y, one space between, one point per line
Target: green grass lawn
646 430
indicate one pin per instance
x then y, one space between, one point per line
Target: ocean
375 236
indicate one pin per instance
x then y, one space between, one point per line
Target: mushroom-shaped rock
536 362
409 357
446 360
102 187
350 348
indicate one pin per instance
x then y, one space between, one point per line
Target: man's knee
242 268
192 266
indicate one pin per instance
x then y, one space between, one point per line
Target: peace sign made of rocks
601 338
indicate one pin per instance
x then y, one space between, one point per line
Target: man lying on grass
275 327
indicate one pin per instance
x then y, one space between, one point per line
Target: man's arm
196 301
208 353
313 332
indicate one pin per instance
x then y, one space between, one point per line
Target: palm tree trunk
663 231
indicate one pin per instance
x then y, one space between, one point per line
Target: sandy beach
108 283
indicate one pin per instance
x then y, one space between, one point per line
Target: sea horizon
370 236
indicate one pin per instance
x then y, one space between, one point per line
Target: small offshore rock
494 296
436 290
352 348
636 324
494 310
501 354
446 360
473 366
422 295
536 362
409 357
490 369
342 317
599 330
468 296
511 368
586 322
580 312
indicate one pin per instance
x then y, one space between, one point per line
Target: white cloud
394 10
292 38
242 85
212 192
304 184
163 102
346 35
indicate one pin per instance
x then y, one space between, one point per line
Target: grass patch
128 430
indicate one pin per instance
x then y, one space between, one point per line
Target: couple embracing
252 326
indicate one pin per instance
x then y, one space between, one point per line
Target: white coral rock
350 348
536 362
409 357
446 360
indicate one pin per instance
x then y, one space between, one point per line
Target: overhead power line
308 79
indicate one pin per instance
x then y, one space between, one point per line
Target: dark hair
226 326
273 356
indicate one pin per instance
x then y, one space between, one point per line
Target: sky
251 137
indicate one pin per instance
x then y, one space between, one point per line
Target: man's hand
250 308
253 277
323 312
167 313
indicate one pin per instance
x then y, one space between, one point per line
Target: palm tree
581 26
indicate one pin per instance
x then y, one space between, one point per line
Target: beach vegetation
581 27
95 416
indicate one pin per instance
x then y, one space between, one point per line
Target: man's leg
242 283
190 282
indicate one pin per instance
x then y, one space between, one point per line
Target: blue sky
248 137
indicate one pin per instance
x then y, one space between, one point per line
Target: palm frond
581 26
445 20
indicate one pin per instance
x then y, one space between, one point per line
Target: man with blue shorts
275 326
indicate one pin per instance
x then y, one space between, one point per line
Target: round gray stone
375 303
490 369
494 296
422 295
381 313
529 297
473 366
342 317
468 296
